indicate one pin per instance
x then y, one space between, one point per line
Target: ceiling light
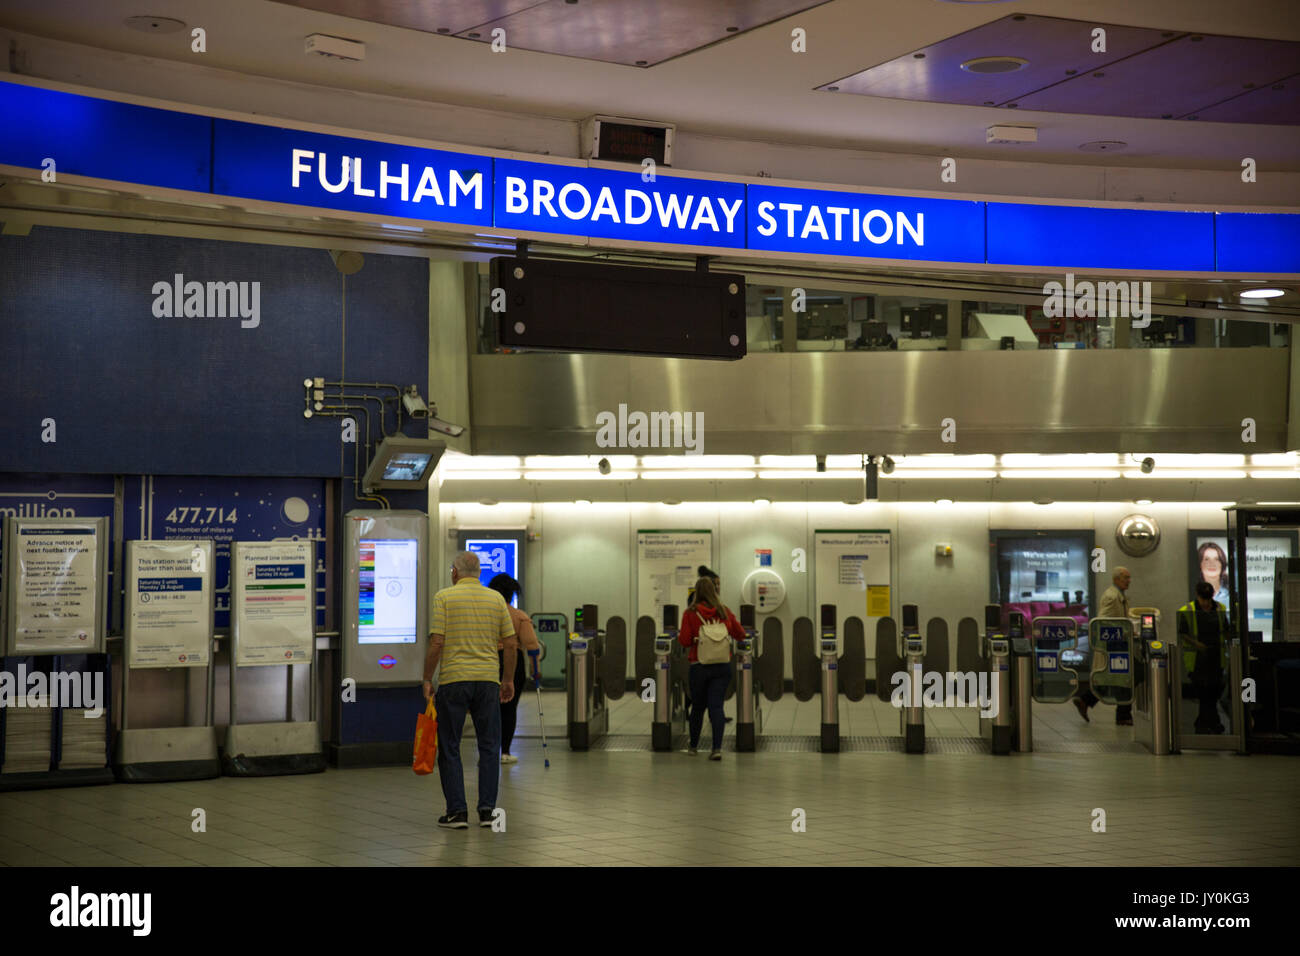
762 501
943 501
582 501
994 64
1143 501
480 476
578 476
1085 474
698 474
1260 294
915 473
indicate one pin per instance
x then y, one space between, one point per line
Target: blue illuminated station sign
101 138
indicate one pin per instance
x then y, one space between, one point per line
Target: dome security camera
1148 465
604 466
887 465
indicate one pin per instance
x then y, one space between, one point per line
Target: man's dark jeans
481 699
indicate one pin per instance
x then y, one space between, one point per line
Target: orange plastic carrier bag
426 740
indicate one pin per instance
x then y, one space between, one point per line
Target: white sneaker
509 758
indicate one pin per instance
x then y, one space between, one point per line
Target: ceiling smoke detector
155 24
995 64
1103 146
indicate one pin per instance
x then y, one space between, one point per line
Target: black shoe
1082 708
728 720
454 821
485 817
1123 721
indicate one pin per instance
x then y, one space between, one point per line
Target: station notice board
169 603
273 613
852 572
667 566
55 585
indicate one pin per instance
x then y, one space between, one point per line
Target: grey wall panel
841 403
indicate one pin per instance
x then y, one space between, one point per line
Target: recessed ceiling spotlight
1260 293
995 64
762 501
155 24
943 501
1143 501
582 501
1103 146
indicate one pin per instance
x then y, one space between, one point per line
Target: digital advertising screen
406 466
388 596
495 556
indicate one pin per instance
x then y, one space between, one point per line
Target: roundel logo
182 658
288 654
387 661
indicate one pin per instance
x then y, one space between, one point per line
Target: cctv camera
1148 465
604 466
414 404
821 462
887 465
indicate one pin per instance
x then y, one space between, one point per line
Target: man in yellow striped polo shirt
467 622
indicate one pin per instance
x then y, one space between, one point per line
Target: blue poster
495 556
230 509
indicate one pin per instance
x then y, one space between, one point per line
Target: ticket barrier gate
749 712
1111 672
995 652
911 648
596 662
1022 684
669 683
830 684
1152 717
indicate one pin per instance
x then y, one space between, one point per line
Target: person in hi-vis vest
1203 634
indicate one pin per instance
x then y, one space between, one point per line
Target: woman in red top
708 681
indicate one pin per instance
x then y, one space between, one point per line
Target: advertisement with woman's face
1210 564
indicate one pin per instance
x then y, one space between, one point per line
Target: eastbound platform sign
97 137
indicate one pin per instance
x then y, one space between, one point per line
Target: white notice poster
56 582
273 615
169 603
667 564
848 564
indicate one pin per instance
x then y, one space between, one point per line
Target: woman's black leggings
509 711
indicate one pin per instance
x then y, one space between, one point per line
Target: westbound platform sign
90 134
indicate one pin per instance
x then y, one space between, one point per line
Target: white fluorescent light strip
591 475
1091 474
700 474
1191 461
811 474
913 474
908 462
479 462
696 461
1286 460
787 461
572 462
480 476
1059 461
1290 475
1174 474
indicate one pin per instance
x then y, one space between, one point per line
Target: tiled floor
634 809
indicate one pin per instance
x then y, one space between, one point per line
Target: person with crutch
508 587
